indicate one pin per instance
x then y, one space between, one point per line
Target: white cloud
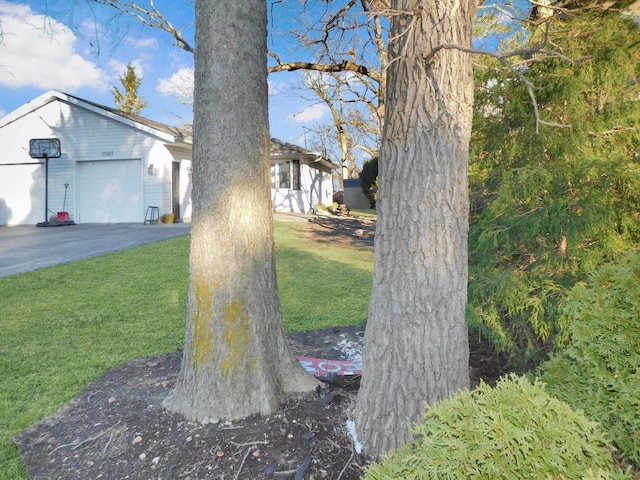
309 114
37 51
180 84
276 87
175 55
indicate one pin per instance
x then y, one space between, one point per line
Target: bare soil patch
348 231
117 429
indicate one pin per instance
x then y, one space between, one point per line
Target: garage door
110 192
21 194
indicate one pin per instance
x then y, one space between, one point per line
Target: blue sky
65 46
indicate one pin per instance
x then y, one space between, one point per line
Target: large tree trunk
236 357
416 344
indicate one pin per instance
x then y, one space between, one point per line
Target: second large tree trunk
416 344
236 357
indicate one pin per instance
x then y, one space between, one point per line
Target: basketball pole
46 189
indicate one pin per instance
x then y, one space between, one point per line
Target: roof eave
53 95
119 118
310 158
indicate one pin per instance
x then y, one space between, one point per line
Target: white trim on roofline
51 95
311 158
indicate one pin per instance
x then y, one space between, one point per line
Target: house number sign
108 153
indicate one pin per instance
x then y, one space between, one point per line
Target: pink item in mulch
322 368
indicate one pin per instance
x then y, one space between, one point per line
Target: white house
114 165
300 179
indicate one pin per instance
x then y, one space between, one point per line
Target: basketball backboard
44 148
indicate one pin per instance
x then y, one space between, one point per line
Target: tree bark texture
416 342
236 357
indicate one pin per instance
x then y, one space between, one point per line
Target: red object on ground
63 216
321 367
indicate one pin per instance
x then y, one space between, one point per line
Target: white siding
157 182
312 186
326 189
86 136
22 194
185 189
315 189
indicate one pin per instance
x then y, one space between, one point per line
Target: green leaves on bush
369 179
597 368
513 431
547 209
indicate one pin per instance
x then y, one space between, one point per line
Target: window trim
292 180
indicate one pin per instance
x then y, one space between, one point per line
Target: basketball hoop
44 148
47 148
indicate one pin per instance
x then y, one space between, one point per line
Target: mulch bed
117 429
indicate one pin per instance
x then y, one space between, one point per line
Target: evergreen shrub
369 180
512 431
596 367
333 208
547 209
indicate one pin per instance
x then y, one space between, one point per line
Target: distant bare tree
346 126
332 42
348 74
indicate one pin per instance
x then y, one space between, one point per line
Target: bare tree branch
152 18
344 66
339 14
504 60
330 60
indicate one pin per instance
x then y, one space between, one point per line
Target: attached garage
22 194
110 191
113 165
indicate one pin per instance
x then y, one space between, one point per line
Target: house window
295 174
286 175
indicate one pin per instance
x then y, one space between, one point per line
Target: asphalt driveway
26 248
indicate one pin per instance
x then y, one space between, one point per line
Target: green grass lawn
369 213
62 327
